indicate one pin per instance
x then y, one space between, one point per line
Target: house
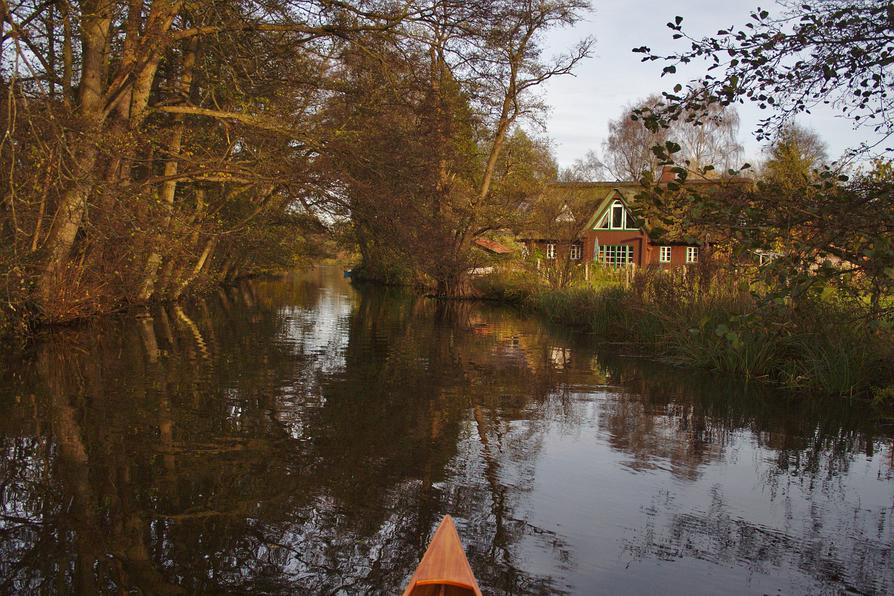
611 235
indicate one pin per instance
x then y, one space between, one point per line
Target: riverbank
714 320
20 320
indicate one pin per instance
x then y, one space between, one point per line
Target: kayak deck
444 569
442 590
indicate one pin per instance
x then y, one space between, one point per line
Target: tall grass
711 317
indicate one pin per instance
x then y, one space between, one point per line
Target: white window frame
550 250
692 254
608 220
664 254
622 220
576 252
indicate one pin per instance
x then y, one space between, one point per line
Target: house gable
613 213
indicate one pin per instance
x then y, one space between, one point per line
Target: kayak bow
444 569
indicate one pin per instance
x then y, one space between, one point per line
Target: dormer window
618 215
617 218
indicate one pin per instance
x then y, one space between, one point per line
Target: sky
614 76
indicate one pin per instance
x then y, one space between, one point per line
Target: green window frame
614 255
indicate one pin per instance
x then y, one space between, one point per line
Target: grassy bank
713 319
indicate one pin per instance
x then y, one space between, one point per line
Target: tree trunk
200 264
62 234
95 25
67 53
452 285
169 187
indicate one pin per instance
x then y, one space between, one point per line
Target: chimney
667 175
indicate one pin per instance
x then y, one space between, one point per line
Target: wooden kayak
444 569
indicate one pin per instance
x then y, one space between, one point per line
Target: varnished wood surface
444 569
441 590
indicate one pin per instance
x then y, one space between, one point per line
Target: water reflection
304 435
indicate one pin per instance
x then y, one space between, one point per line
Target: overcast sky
614 76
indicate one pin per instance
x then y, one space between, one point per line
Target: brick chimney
667 175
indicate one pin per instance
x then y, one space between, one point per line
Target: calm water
306 436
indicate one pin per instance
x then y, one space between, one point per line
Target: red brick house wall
636 238
645 251
563 247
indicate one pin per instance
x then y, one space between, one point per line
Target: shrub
708 317
507 285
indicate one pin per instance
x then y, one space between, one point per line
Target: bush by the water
710 317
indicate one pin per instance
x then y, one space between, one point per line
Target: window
576 252
616 218
692 254
664 254
614 255
550 251
618 215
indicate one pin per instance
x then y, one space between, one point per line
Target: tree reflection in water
797 455
303 435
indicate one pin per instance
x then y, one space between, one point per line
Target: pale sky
614 76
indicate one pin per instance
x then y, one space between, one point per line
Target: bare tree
628 149
711 139
584 169
506 68
466 74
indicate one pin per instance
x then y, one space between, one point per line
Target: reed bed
714 317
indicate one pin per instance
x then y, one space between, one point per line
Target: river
305 435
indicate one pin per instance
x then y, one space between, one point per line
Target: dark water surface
305 436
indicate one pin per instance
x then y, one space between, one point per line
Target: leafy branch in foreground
826 233
835 52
